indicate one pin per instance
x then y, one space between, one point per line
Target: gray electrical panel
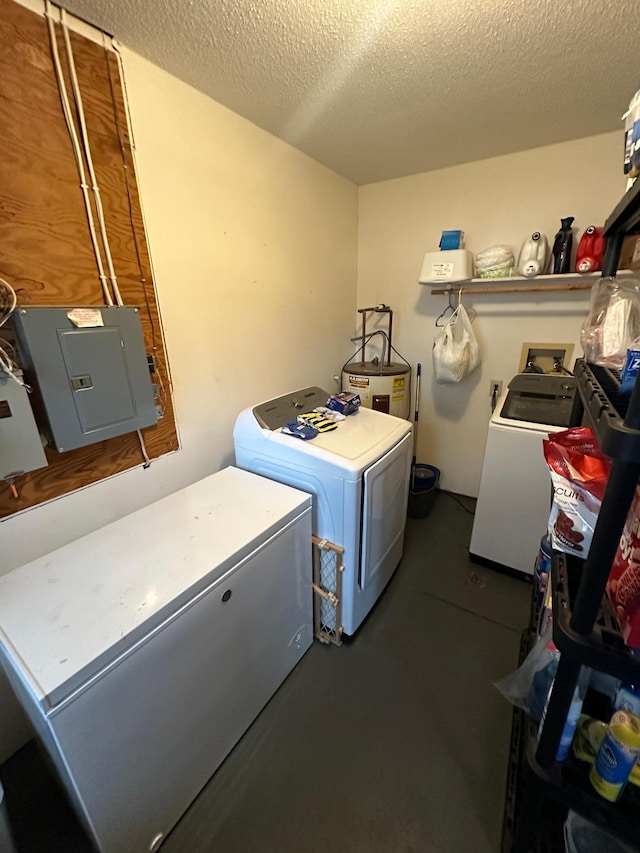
20 442
88 367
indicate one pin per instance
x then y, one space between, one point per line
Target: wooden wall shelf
520 284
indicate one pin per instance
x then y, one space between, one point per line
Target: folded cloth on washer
318 421
329 413
300 430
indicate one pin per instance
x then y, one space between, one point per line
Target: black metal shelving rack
583 631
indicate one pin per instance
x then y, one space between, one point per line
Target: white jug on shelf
532 259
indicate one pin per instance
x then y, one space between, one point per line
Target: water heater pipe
378 309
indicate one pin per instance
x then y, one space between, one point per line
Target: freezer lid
68 614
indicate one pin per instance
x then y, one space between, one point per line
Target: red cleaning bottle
590 250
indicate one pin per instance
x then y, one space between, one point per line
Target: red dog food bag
579 473
623 586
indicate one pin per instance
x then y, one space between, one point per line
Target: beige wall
254 248
494 201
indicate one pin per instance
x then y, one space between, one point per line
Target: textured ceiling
377 89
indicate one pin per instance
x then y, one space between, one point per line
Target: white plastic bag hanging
455 349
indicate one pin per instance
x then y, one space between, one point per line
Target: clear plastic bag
613 322
495 262
455 349
528 686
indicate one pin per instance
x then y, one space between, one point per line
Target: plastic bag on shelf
455 349
631 369
613 322
623 586
495 262
528 686
579 473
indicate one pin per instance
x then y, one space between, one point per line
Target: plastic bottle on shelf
628 699
617 756
572 717
532 259
542 568
563 246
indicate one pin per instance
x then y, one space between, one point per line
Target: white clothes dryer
358 475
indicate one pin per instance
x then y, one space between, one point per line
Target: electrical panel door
95 363
20 443
89 369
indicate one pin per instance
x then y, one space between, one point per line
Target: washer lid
361 433
274 414
357 442
529 426
541 398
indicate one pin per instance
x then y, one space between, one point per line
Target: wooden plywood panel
45 246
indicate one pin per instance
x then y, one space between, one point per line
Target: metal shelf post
612 255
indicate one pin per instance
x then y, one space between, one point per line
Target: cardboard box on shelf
630 254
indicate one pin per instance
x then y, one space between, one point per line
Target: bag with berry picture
579 473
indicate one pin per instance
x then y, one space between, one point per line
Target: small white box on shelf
448 266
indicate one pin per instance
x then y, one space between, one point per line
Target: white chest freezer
358 475
143 651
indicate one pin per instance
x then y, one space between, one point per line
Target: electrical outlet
493 384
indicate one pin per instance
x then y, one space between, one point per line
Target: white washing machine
514 500
358 475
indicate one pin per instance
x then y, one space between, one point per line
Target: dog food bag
623 586
579 473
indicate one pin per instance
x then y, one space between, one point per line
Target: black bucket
422 492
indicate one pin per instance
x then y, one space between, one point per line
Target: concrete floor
396 742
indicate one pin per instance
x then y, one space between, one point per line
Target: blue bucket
422 490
